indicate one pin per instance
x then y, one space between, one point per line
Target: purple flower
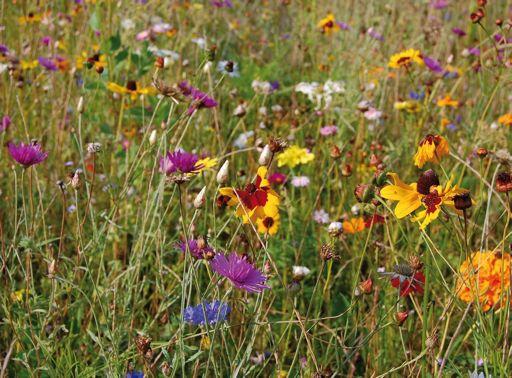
222 3
474 51
374 34
328 130
433 65
3 49
27 154
343 25
239 271
300 181
179 161
195 249
6 122
49 64
46 40
134 374
206 312
274 85
439 4
200 99
458 32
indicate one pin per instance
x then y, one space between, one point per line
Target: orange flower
506 119
431 149
448 101
353 225
485 278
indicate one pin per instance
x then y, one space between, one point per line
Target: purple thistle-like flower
222 3
375 34
3 49
194 248
27 154
179 161
328 130
206 312
6 122
239 271
200 99
433 65
49 64
459 32
343 25
439 4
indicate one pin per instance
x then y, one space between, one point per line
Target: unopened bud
52 269
93 147
265 155
200 198
80 105
152 137
401 317
222 175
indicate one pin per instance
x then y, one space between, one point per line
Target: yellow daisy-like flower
206 163
131 88
328 24
29 64
353 225
256 201
431 149
31 18
485 278
448 101
405 59
293 156
268 225
407 195
408 106
505 119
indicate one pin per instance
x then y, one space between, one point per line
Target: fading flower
431 149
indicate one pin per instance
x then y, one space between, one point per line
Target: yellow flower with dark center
32 18
132 88
485 278
268 225
448 101
407 195
29 64
328 24
408 106
405 59
293 156
431 149
506 119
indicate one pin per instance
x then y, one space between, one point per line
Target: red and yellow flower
132 88
405 59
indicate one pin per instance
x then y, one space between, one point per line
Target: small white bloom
300 272
265 155
222 175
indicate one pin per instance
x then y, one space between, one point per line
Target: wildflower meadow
255 188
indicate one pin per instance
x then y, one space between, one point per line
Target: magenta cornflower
433 65
49 64
328 130
240 272
27 154
179 161
200 99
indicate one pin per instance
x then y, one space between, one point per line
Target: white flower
127 24
261 87
300 272
335 228
372 114
242 140
300 181
223 173
201 42
265 155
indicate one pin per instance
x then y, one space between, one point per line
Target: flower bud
335 152
152 137
477 16
426 181
222 175
299 272
80 105
265 155
401 317
207 67
504 182
482 152
364 192
200 198
366 286
52 269
93 147
462 201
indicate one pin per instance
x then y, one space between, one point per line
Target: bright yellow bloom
448 101
206 163
29 64
328 24
256 201
268 225
408 197
353 225
405 58
32 18
431 149
408 106
485 278
433 202
131 88
293 156
506 119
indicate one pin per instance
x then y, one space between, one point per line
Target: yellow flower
256 201
353 225
268 225
293 156
433 202
452 72
408 197
485 278
205 343
447 101
131 88
431 149
206 163
29 64
328 24
408 106
506 119
405 58
31 18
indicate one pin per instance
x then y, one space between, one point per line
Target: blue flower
228 67
134 374
215 311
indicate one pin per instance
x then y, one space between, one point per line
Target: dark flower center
268 222
432 201
131 85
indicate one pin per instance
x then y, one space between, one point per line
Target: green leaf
114 42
